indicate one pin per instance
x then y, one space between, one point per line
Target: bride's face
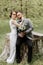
14 15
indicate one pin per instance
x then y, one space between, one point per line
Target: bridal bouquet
22 28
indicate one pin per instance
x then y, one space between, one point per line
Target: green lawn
4 28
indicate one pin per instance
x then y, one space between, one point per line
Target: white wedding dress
13 38
12 46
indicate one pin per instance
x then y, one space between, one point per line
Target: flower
22 28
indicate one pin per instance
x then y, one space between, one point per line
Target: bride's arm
15 23
20 26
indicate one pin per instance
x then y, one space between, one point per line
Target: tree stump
38 41
37 44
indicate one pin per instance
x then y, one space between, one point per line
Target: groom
24 36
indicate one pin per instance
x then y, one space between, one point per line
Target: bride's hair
12 12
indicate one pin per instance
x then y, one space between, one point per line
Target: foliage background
32 9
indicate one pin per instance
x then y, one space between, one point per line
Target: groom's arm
30 26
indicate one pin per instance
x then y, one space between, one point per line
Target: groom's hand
21 34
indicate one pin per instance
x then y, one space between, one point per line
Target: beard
20 18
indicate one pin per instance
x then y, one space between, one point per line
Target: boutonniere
22 27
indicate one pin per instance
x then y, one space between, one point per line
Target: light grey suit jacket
29 27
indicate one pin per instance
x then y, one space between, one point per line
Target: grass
4 28
34 11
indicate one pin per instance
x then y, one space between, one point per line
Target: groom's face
19 15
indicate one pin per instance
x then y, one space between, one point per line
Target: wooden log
37 44
38 37
7 40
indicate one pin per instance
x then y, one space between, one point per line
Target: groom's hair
20 11
12 12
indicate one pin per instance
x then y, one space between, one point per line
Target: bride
13 37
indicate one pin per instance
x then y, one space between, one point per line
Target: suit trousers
27 41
